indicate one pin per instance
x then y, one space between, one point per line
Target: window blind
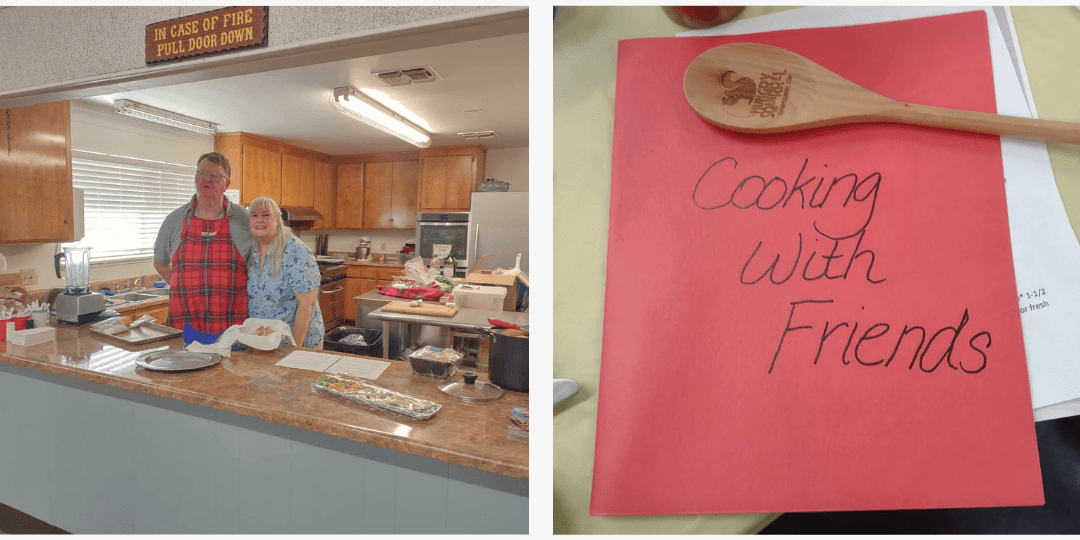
125 201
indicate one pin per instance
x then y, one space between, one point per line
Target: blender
77 305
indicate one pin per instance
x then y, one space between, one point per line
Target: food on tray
361 391
264 331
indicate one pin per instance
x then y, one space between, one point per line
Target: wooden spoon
755 88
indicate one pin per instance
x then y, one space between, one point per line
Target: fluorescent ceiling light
134 109
348 101
396 106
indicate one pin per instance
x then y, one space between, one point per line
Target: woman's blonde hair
277 245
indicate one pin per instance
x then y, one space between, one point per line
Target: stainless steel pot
508 361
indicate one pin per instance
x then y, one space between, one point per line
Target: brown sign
214 32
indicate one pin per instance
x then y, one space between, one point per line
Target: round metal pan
177 360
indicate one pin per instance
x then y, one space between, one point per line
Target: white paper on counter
361 367
1045 249
308 360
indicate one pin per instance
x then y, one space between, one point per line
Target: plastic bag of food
416 271
435 362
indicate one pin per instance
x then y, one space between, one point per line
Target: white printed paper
440 250
308 360
361 367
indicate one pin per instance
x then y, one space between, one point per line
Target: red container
20 324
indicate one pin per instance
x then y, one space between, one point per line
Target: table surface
249 383
585 47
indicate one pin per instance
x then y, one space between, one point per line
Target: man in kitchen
202 251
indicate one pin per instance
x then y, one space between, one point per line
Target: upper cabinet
285 173
35 163
349 207
449 176
371 191
390 194
323 188
297 181
262 175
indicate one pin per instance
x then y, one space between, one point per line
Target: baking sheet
144 333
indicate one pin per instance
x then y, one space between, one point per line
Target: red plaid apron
209 280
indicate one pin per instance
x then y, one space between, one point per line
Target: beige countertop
584 64
248 383
354 262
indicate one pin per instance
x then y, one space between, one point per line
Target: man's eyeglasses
213 176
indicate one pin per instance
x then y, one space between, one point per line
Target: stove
331 272
332 293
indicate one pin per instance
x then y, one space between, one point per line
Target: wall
95 128
48 45
509 165
348 240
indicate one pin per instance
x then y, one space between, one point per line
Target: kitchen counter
354 262
248 383
105 446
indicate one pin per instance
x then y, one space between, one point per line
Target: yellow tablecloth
585 45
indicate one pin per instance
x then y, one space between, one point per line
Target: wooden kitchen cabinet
378 180
297 181
352 290
160 313
405 188
349 208
367 285
35 174
323 195
448 177
290 175
262 174
385 275
390 194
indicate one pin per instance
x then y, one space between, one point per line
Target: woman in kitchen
283 277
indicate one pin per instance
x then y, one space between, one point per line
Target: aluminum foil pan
362 391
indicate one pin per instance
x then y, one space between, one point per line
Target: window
124 202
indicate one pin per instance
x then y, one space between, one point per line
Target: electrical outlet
382 246
29 277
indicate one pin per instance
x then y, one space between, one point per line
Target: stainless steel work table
466 319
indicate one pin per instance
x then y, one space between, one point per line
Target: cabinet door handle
334 291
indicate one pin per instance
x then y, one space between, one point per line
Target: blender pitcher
77 260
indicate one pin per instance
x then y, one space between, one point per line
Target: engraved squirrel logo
739 89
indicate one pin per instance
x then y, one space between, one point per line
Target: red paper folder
822 320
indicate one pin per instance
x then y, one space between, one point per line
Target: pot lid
469 389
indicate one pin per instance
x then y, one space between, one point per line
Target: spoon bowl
757 88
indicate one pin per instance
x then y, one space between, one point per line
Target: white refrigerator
499 227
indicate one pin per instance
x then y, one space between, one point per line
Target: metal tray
176 360
144 333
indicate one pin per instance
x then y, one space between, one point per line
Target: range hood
299 213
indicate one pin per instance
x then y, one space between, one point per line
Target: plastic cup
41 318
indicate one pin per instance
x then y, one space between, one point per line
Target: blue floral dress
271 297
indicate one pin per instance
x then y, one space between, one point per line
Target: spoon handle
980 122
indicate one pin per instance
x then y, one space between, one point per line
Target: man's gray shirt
169 235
